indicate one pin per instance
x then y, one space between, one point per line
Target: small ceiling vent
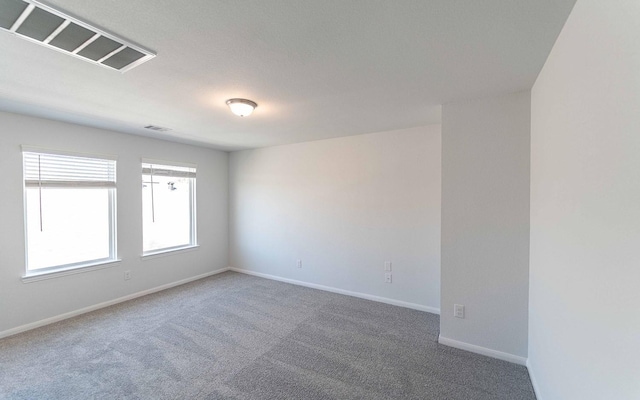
157 128
49 27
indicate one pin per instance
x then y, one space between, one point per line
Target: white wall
343 206
584 337
485 224
24 303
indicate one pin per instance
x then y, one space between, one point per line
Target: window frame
81 266
193 231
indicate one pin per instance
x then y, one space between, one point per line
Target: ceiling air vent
157 128
42 24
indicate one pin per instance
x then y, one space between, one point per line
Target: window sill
34 277
169 251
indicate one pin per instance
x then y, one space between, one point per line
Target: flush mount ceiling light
241 107
52 28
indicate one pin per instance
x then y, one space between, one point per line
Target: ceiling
317 69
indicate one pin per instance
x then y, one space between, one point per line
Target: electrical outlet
387 278
387 266
458 310
299 263
127 275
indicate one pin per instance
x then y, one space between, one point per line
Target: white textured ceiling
317 69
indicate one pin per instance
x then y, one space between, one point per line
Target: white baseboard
379 299
98 306
534 382
482 350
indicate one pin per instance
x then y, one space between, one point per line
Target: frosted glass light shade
241 107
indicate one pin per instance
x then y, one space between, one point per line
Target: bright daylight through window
70 211
168 206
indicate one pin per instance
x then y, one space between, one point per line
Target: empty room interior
295 199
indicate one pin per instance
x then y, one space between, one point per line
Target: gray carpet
234 336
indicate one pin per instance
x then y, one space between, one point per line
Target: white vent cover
44 25
157 128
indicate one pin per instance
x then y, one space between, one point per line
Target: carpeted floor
234 336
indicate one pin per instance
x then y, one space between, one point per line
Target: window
69 211
168 207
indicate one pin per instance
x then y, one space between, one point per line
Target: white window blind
168 170
70 210
56 170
